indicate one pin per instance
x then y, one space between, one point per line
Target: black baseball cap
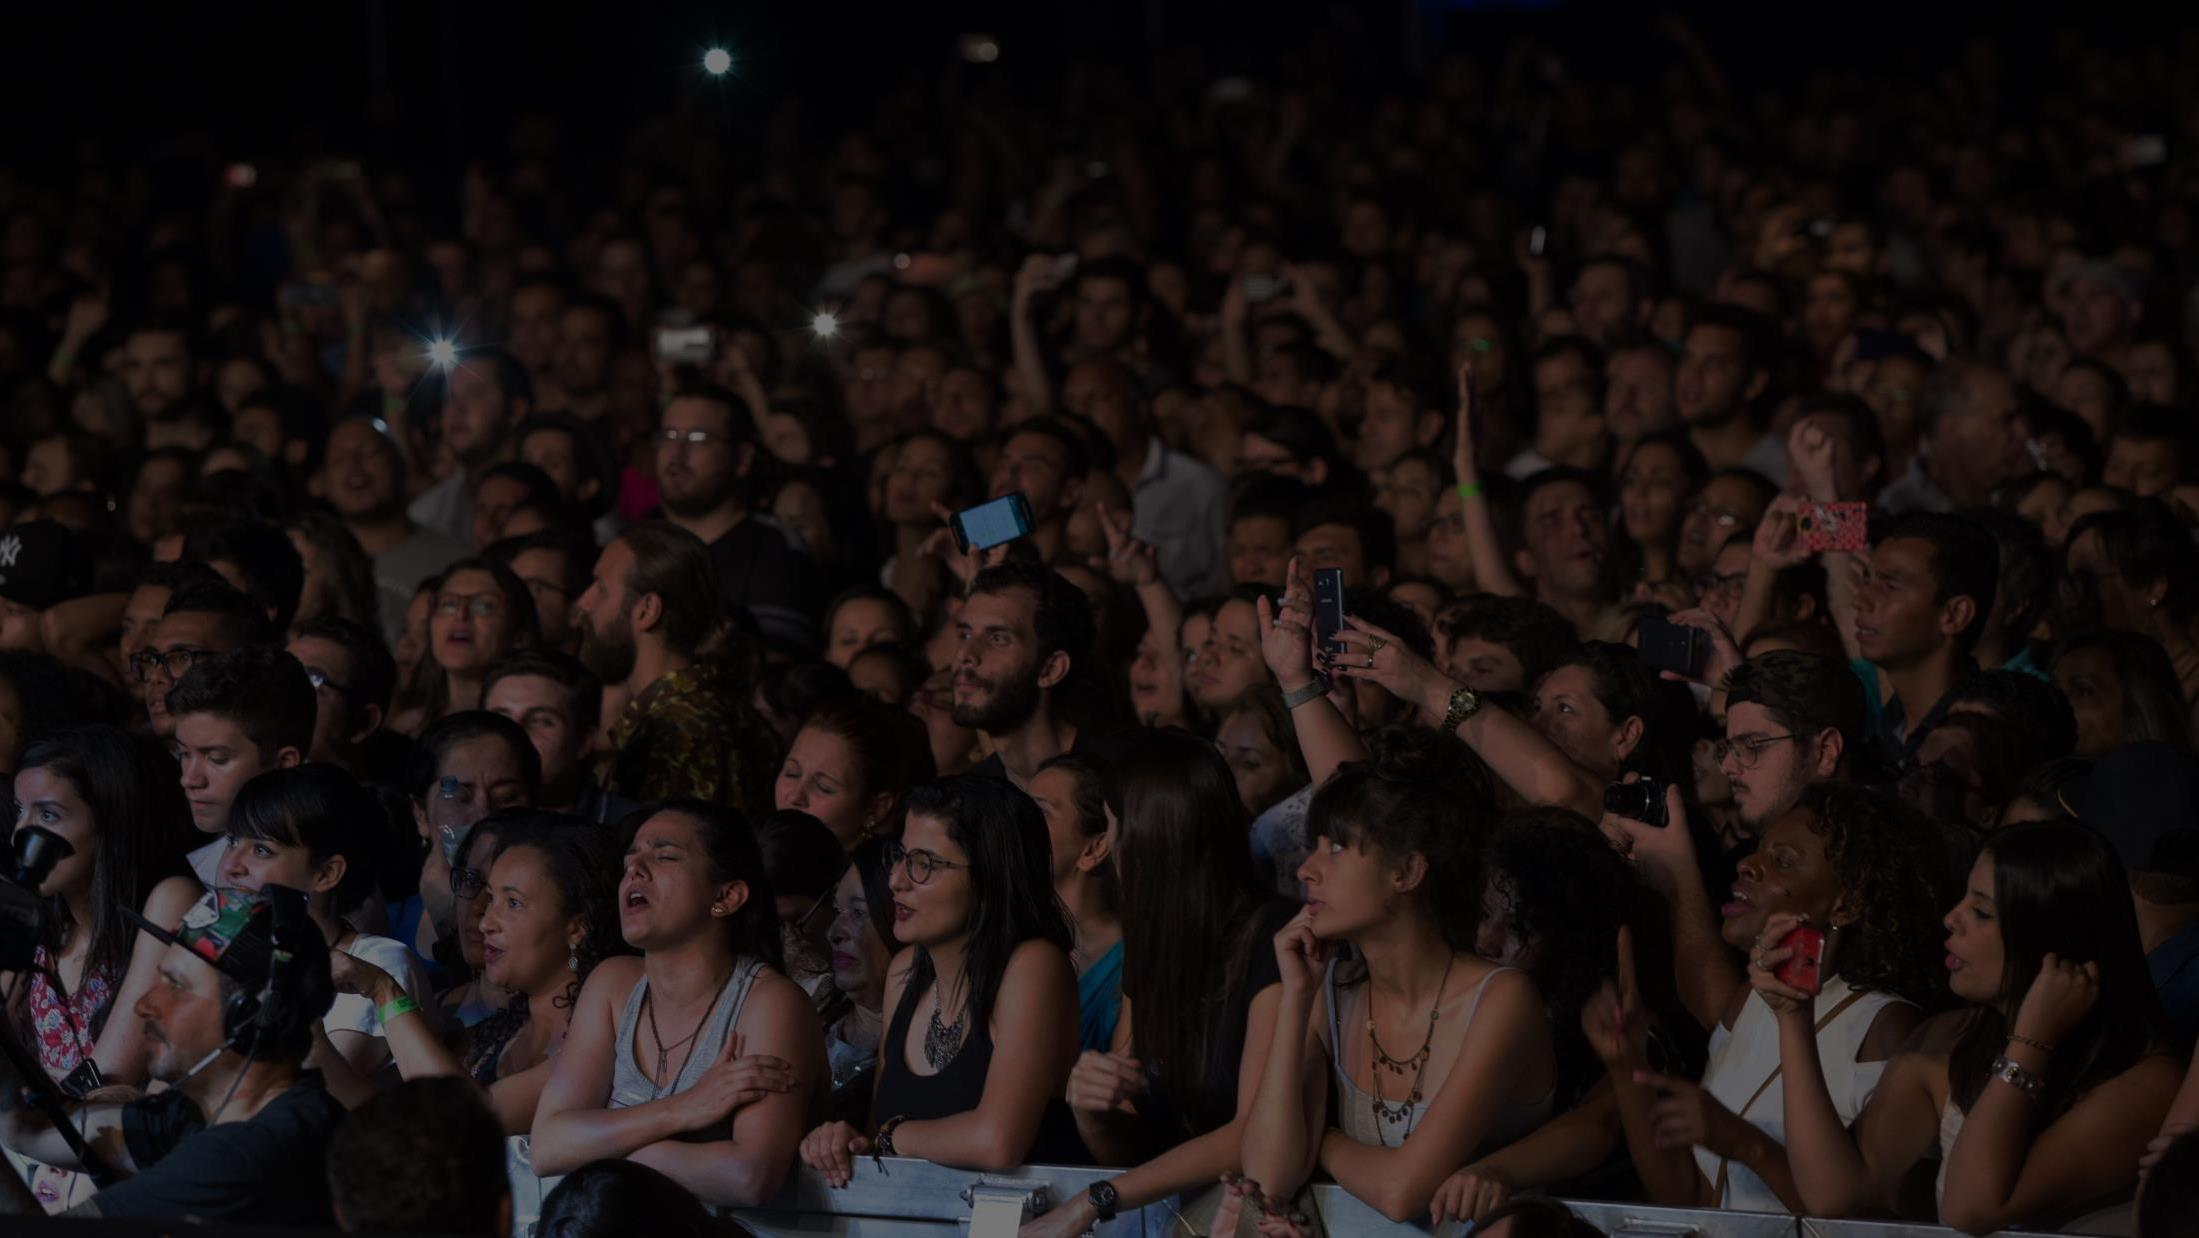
39 564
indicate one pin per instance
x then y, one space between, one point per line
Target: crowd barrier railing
898 1196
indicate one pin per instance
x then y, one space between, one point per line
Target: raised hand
1286 631
360 978
1105 1082
2058 1000
1612 1020
1128 560
1812 452
1725 655
1462 444
1778 539
1382 659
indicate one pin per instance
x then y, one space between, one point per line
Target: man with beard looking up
1025 634
649 621
706 445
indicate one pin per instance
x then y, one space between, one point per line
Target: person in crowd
706 449
353 678
549 920
1793 720
122 816
424 1157
482 612
983 1030
203 616
1503 644
1071 791
310 828
1460 1053
1024 635
1170 806
610 1197
362 477
649 625
469 1001
237 715
720 1106
804 863
555 700
485 394
1913 623
2142 797
463 768
1657 473
1257 740
2039 1093
231 1023
257 557
2133 570
863 617
2123 690
850 766
863 941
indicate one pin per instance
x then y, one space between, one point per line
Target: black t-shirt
270 1170
1212 1103
761 571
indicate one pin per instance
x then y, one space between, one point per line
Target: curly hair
582 861
1883 856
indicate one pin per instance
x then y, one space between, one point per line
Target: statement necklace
1387 1114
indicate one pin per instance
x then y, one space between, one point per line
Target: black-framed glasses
675 437
921 863
176 662
467 882
1747 750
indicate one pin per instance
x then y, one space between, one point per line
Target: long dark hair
1892 865
1627 689
1184 853
887 743
1012 897
1420 793
321 808
138 810
2059 888
734 856
1090 798
869 859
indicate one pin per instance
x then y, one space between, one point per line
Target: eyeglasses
467 882
176 662
1747 750
320 679
674 437
479 605
922 864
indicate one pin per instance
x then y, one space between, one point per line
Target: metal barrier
901 1196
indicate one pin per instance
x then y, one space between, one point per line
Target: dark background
430 84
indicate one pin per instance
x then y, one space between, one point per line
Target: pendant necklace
941 1043
1385 1113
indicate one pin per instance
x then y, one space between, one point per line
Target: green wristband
1469 489
402 1004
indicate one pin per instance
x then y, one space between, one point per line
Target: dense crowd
1610 639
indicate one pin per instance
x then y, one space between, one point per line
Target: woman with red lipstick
1430 1051
983 1028
1849 861
481 612
2040 1094
699 1059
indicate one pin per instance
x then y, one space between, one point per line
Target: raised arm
2001 1174
1399 1182
1035 276
1617 1029
1282 1134
1490 570
1709 982
1034 1045
1325 735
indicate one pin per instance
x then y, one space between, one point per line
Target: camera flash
717 62
825 323
443 354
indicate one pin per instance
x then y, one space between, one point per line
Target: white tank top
1743 1059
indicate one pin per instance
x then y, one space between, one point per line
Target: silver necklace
942 1042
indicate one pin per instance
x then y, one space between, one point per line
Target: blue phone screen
990 524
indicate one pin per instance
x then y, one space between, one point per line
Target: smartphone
989 524
1265 287
1538 241
1642 800
1838 527
685 345
1669 646
1805 968
1328 608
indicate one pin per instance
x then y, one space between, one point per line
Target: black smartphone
989 524
1328 608
1669 646
1642 801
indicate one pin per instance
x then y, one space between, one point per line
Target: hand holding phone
1812 949
1328 608
1842 528
989 524
1675 647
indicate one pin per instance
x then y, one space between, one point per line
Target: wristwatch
2007 1071
1464 701
1103 1196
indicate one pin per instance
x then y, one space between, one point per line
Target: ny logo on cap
10 547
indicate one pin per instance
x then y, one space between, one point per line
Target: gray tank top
630 1087
1355 1114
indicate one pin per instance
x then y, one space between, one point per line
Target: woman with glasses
984 999
863 942
476 998
481 613
548 900
463 768
1732 501
699 1059
804 863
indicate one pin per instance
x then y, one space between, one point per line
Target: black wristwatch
1103 1198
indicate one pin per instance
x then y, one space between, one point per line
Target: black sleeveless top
957 1089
